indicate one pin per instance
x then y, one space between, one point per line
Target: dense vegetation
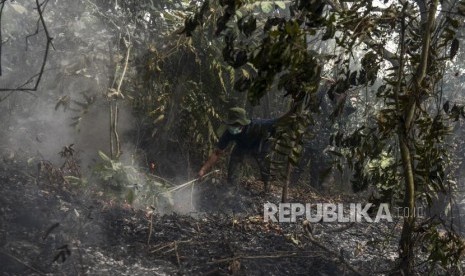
374 87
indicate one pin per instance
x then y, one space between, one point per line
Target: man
251 138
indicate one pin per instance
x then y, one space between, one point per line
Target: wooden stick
170 244
150 228
126 61
192 195
177 254
286 255
162 247
115 131
111 131
188 183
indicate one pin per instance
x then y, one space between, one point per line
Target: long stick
115 131
150 229
111 131
188 183
2 5
285 255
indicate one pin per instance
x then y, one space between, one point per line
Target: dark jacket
254 136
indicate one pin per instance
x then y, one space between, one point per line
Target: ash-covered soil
46 228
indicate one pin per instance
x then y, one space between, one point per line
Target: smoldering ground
70 106
51 224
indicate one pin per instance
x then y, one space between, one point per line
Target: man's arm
210 162
220 149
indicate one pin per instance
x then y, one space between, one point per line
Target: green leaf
104 156
266 6
280 4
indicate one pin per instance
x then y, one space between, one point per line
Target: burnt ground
46 228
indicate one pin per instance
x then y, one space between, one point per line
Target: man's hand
201 173
210 162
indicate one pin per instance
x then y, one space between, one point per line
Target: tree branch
40 9
49 42
289 254
377 47
1 40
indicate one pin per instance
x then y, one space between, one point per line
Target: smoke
70 105
33 126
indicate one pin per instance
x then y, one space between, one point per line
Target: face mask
234 130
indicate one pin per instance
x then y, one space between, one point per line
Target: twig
192 195
44 4
1 40
21 87
47 49
162 247
111 131
285 255
150 229
33 34
125 68
23 263
117 93
115 131
50 229
177 254
169 244
226 260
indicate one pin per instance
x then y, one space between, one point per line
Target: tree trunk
406 244
285 191
405 126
